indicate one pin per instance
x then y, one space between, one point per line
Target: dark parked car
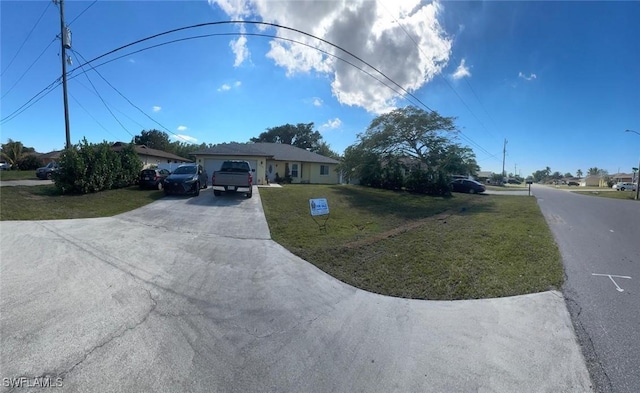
46 172
153 178
186 179
466 185
573 183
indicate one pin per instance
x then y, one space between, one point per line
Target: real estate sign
318 206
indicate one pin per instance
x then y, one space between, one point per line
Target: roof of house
276 151
147 151
51 155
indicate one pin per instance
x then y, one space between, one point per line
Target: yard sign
319 207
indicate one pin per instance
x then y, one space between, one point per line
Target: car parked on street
46 172
624 186
4 166
467 185
573 183
186 179
153 178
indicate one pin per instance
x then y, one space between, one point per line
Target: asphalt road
599 237
192 295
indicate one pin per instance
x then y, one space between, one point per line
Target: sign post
319 208
529 183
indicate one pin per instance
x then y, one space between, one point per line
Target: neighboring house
53 156
483 176
153 157
622 178
593 181
269 159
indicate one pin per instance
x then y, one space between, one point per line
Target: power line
85 10
448 84
101 99
88 113
27 70
27 38
129 101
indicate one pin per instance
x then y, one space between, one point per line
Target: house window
324 170
294 170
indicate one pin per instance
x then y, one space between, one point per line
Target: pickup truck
233 176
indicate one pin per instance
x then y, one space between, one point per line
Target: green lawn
46 203
630 195
413 246
18 175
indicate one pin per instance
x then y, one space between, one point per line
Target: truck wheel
216 192
249 194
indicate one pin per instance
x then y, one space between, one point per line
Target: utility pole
504 156
515 170
65 39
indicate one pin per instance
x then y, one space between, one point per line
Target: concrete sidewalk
28 182
190 294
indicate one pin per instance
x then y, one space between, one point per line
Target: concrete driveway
190 294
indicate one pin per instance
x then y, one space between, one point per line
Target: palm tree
593 171
579 173
12 152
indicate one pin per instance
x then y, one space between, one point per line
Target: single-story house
52 156
153 157
271 159
593 181
483 176
623 178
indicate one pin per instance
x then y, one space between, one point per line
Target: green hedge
87 168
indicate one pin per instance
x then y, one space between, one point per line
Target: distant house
483 176
622 178
153 157
593 181
52 156
272 159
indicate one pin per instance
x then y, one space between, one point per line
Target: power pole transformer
65 39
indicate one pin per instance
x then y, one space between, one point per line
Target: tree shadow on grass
410 206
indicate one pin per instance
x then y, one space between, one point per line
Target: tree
556 175
325 150
301 135
153 139
417 138
593 171
13 151
568 174
579 173
409 131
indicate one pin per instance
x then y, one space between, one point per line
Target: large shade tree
421 140
300 135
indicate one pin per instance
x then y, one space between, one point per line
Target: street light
638 176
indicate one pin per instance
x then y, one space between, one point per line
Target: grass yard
46 203
630 195
413 246
18 175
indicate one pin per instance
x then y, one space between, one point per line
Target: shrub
89 168
428 182
29 162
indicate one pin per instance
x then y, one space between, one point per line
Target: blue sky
559 80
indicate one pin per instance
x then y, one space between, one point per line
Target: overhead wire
101 99
89 113
26 38
451 87
85 10
29 68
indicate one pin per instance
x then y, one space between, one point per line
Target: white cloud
227 87
528 78
181 128
157 108
184 138
317 101
239 48
332 123
375 31
462 71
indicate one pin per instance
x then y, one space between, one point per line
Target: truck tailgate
240 179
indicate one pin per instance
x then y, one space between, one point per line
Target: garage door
211 165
